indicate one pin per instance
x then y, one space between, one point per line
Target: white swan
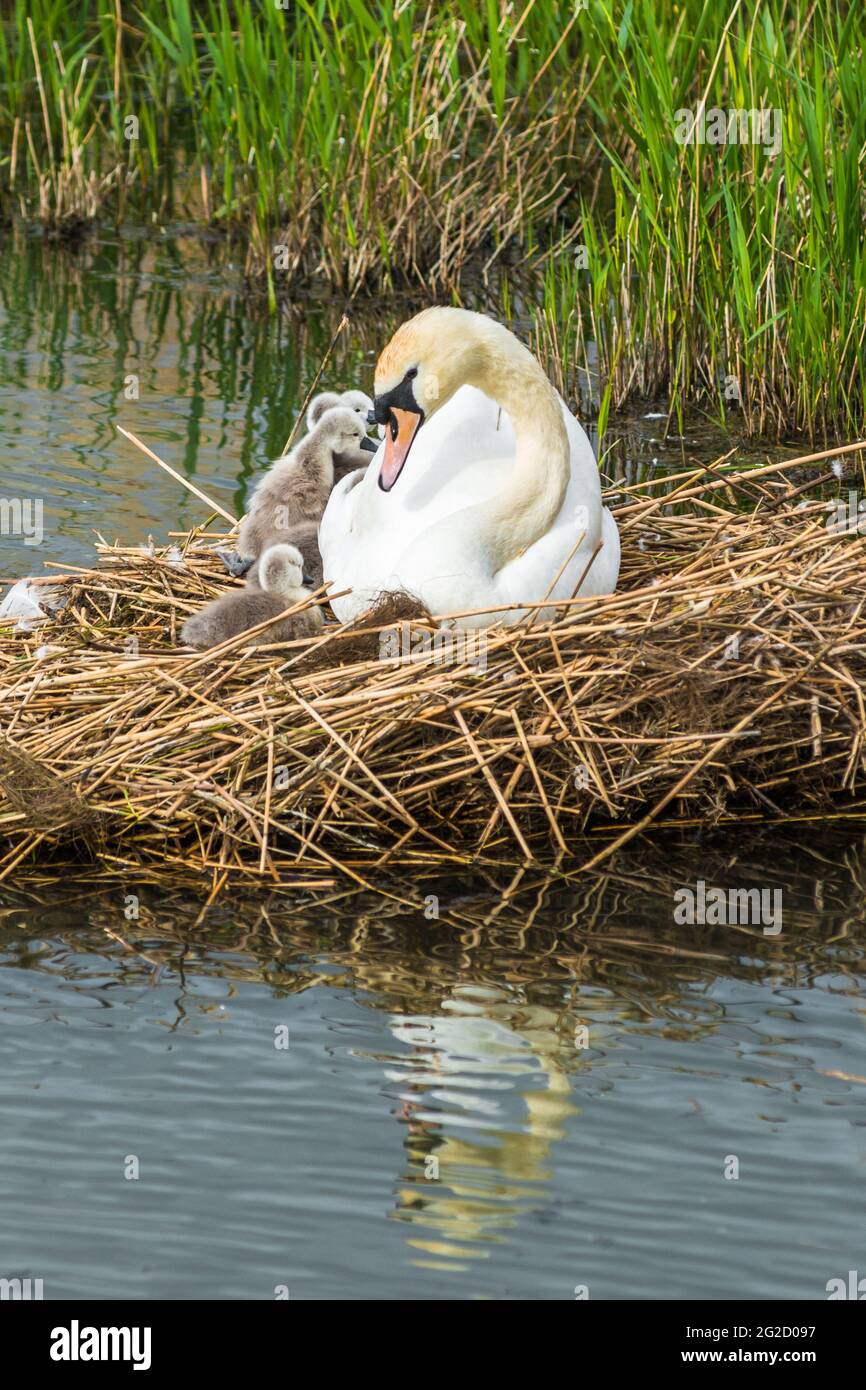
495 501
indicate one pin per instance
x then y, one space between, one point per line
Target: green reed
431 145
367 146
727 274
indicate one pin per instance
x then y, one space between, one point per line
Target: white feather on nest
27 602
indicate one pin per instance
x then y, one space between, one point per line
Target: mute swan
281 577
289 501
500 482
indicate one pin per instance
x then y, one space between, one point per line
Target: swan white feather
435 534
23 601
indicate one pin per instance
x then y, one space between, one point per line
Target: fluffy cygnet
288 503
280 586
328 400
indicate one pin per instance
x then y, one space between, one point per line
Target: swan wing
338 517
413 537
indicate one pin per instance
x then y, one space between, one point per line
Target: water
218 386
439 1125
533 1094
83 331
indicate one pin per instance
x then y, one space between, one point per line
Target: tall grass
432 143
720 273
367 144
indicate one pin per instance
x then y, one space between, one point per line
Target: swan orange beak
400 430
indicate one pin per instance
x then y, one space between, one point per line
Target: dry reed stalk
526 925
178 477
344 323
722 682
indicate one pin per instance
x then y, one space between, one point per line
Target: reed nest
723 682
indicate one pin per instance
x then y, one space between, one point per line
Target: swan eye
411 374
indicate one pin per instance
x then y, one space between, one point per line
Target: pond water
541 1091
349 1101
155 334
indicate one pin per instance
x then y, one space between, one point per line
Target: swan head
429 358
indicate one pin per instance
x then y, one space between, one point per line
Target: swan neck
527 506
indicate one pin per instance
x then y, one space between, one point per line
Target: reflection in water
489 1066
154 332
566 1068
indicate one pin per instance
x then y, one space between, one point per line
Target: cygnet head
344 432
357 401
281 570
326 400
329 400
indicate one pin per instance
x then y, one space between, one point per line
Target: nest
38 795
723 682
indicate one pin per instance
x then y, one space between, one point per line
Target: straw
722 683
